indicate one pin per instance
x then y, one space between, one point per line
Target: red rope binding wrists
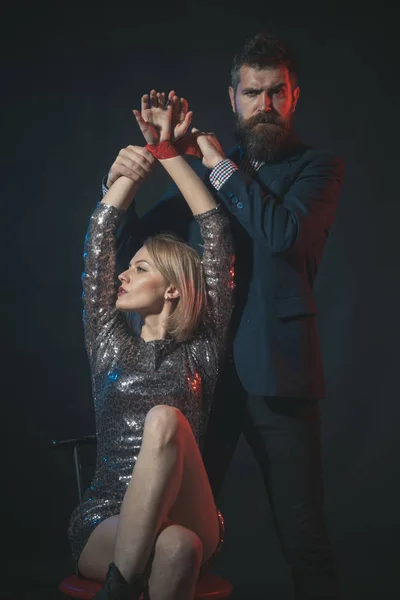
162 150
186 145
189 145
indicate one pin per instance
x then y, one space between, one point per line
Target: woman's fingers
145 102
176 106
182 128
153 99
141 122
145 128
137 154
183 108
161 99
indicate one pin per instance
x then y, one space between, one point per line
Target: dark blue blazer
280 218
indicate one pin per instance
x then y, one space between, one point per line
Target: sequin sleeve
99 279
218 264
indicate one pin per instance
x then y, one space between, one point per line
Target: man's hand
134 162
210 148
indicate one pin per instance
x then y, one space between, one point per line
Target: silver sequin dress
130 376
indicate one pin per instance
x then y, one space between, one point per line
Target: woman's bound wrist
163 150
166 149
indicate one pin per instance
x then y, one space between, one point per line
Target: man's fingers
144 154
134 162
120 170
136 154
130 169
111 177
203 133
197 133
139 154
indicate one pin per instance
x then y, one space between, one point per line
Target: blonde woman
149 520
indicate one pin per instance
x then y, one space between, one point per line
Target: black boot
117 588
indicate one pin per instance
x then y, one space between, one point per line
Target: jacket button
235 200
240 205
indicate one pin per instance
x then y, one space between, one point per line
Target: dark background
73 73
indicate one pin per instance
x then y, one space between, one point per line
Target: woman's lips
121 291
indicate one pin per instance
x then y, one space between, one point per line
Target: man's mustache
264 118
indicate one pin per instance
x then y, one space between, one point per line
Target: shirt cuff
104 188
221 172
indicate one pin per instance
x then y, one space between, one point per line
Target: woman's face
143 288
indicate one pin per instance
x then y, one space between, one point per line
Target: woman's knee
181 548
163 424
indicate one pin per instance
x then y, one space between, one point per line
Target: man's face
263 105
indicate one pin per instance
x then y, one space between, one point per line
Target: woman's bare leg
176 564
169 482
99 550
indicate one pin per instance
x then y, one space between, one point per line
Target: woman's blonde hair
180 265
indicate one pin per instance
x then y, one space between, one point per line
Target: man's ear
232 97
296 94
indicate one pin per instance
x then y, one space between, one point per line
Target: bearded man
281 197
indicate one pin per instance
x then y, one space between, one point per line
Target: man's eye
251 94
280 93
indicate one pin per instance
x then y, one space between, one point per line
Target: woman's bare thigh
98 552
194 507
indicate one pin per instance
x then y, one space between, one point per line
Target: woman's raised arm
164 140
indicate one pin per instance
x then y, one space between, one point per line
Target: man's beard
265 137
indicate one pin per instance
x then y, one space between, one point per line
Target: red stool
208 586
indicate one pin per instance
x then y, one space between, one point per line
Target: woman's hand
160 121
181 116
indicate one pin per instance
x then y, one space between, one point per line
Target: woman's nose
122 276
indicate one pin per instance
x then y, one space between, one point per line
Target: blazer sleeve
294 220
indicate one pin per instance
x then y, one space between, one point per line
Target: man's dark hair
262 51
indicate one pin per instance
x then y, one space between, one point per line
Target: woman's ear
171 293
